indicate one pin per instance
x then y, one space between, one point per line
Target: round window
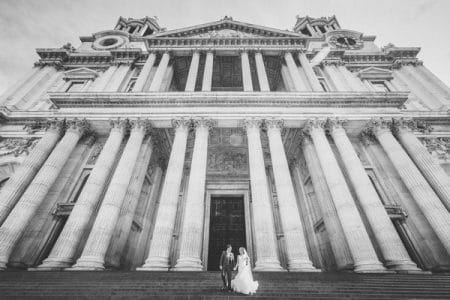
108 42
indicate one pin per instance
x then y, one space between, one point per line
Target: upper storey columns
261 71
312 78
145 72
246 73
160 72
208 72
193 70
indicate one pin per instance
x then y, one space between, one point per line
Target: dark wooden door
227 226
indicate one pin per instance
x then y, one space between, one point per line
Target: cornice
215 99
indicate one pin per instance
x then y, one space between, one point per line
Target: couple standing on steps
243 281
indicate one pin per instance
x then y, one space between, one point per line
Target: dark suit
227 265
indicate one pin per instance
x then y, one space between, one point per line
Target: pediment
227 28
375 73
80 73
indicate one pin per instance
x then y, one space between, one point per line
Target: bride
243 282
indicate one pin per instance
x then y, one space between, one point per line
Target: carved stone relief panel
16 146
439 147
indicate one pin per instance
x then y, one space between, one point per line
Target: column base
88 264
404 266
301 266
268 266
188 264
371 267
3 265
50 264
155 264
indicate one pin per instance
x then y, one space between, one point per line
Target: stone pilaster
145 73
293 71
394 252
428 202
426 163
63 252
261 71
18 182
337 78
128 209
192 230
208 72
263 223
297 253
246 73
193 70
333 226
117 78
364 255
160 72
100 83
159 253
312 78
93 255
15 224
354 82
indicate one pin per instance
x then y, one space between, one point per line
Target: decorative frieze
16 146
438 147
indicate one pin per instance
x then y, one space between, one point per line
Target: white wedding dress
243 282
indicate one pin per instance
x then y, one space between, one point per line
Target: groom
226 266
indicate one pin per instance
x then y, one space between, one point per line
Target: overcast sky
29 24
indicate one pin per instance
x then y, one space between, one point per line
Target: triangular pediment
375 73
227 28
80 73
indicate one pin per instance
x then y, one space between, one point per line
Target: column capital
81 126
311 124
252 123
274 123
181 123
141 124
54 125
119 123
376 125
335 123
202 122
410 124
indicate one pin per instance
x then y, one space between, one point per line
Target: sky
29 24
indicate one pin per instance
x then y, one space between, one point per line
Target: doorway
226 226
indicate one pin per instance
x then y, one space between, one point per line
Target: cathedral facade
151 149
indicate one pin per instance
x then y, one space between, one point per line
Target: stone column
312 78
354 82
93 255
293 70
263 223
337 78
145 73
428 202
63 252
333 226
117 78
192 230
297 252
14 226
429 166
160 72
101 82
128 209
193 70
394 252
23 175
208 72
363 253
246 74
159 253
261 71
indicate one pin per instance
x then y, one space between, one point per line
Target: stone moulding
202 99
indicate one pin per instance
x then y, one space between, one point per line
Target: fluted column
160 72
246 74
261 71
293 70
363 253
394 252
428 202
63 252
296 250
263 223
312 78
208 72
333 226
159 253
15 224
93 255
193 70
23 175
192 230
145 73
128 209
429 166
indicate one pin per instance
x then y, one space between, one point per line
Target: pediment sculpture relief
225 33
438 147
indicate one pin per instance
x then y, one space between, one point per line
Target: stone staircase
206 285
